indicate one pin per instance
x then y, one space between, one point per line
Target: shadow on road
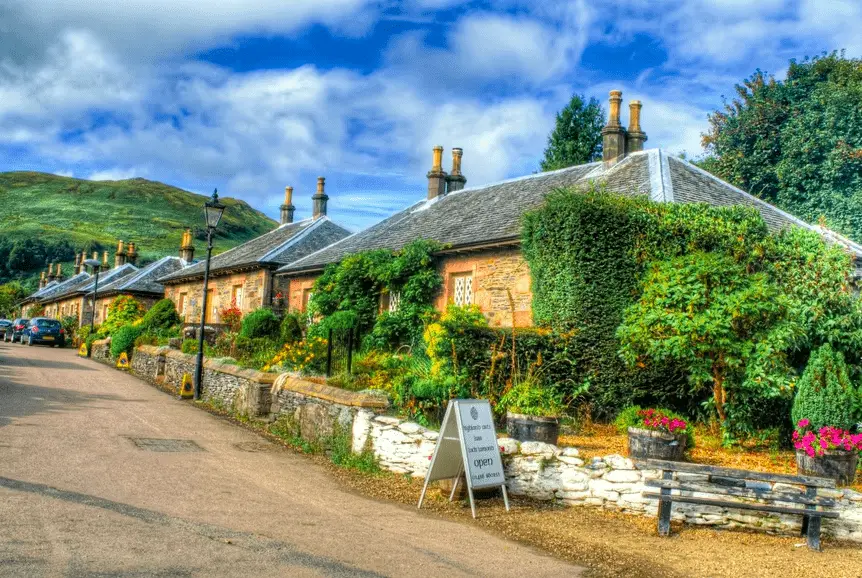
24 394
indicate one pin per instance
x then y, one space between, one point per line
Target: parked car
44 330
14 331
4 323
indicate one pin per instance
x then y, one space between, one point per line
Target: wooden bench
754 487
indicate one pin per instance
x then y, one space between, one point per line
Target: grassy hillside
150 214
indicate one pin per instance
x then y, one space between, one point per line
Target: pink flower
804 423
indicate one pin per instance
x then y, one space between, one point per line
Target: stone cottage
480 226
244 275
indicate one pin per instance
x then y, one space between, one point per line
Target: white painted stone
573 496
574 480
618 462
430 435
388 420
539 448
361 429
571 461
508 446
570 452
409 427
623 476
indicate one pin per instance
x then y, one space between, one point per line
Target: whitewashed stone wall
546 472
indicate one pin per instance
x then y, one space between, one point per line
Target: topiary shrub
260 323
123 310
123 339
161 316
292 328
825 396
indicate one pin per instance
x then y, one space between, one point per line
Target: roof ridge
294 238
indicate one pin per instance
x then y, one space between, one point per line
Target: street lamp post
95 264
212 211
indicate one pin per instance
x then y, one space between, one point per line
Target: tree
796 143
577 136
727 327
10 294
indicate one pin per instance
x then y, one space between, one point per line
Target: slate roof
85 285
145 280
492 213
284 245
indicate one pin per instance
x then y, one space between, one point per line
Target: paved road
79 497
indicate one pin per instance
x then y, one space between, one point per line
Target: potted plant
532 412
828 452
655 433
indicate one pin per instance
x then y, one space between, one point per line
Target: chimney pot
120 255
187 250
613 134
319 199
105 259
635 138
287 209
455 181
436 176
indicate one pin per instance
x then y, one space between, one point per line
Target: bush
70 325
531 398
147 339
123 310
162 316
292 327
825 395
189 346
123 339
260 323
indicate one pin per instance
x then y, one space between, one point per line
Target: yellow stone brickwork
251 290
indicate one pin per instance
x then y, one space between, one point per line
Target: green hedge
260 323
123 339
825 395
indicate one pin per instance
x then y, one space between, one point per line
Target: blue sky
252 95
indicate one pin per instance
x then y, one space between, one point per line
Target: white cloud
114 174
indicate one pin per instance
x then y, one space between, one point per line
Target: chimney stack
437 176
319 199
50 271
78 261
42 281
613 134
636 137
105 260
455 181
187 250
287 208
131 254
59 274
120 255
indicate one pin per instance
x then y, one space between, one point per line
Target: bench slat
734 473
741 492
742 506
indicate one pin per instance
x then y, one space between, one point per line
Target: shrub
231 316
260 323
304 356
189 346
530 398
70 325
825 396
635 416
123 310
292 327
123 339
162 316
147 339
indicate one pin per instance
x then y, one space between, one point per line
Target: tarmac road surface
83 493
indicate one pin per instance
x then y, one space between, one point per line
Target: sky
252 95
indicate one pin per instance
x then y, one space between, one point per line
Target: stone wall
101 350
496 274
547 473
295 289
256 293
318 410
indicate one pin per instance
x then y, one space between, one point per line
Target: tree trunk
718 394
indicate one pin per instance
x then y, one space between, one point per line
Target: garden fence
341 345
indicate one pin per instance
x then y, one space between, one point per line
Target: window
181 306
307 294
211 306
236 296
462 289
394 301
104 312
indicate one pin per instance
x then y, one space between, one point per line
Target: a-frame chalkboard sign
467 443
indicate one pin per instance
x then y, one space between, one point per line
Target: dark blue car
16 330
44 330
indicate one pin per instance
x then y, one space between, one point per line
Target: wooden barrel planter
839 465
656 445
530 428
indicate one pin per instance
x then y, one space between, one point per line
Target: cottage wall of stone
255 288
296 290
498 274
103 302
76 305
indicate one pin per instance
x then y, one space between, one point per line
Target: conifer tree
577 136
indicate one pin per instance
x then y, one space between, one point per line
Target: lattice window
463 290
394 301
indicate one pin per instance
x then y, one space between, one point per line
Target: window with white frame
394 301
462 289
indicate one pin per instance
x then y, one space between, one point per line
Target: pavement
88 489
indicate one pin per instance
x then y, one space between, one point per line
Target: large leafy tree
577 135
796 143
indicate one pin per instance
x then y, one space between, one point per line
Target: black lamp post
213 211
95 264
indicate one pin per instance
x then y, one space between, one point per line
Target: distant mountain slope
61 210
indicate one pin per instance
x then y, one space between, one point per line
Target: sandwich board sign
467 444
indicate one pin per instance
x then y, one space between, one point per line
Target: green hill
47 217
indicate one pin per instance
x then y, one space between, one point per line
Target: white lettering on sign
484 466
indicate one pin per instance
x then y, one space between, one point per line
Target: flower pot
648 444
530 428
840 465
